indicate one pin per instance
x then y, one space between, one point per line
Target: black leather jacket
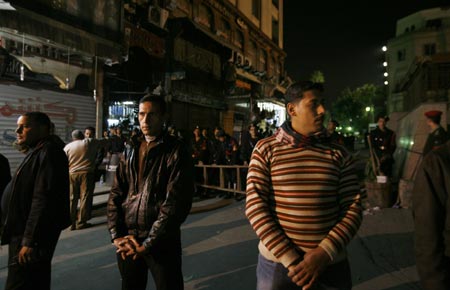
154 210
36 202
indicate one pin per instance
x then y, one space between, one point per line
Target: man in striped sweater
303 200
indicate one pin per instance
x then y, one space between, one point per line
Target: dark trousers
36 274
163 261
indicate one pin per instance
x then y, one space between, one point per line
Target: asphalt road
220 253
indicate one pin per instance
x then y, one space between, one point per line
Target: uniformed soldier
438 135
383 144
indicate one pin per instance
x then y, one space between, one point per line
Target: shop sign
244 85
150 42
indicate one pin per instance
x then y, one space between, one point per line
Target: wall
67 111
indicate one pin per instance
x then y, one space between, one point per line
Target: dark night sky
343 39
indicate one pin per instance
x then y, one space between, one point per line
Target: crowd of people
302 196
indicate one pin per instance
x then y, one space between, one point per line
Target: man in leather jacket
35 205
149 200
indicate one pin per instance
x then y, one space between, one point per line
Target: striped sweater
302 193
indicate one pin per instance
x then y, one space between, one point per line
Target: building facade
421 46
418 67
218 62
51 59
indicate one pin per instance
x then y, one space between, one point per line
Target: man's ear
290 109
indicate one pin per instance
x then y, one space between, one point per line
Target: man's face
28 132
381 123
252 131
88 134
150 119
197 132
307 114
331 127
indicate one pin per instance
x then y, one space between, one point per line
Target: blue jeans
274 276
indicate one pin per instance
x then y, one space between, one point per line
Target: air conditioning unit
157 16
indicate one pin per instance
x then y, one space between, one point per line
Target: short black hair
40 118
157 99
382 116
295 91
90 128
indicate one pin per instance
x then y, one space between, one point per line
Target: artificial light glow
367 109
349 128
386 83
22 73
385 63
384 48
411 143
128 103
385 74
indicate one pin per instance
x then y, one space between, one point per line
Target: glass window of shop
123 114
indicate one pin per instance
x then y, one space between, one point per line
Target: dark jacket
383 142
431 210
152 211
435 139
37 200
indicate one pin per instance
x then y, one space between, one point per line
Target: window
239 39
434 23
275 30
225 29
429 49
262 60
251 55
205 16
256 8
401 55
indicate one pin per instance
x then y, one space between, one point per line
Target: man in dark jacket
5 173
431 210
384 145
35 205
150 199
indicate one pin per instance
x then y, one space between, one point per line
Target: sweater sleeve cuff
329 249
289 258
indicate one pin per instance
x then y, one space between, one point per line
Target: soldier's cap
433 114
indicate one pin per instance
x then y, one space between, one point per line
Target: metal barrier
208 171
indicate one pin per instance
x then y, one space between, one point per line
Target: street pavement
220 253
